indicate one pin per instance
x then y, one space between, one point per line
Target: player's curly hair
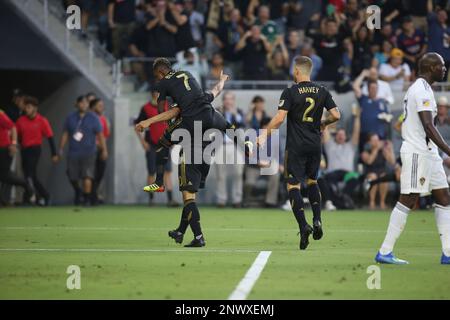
162 63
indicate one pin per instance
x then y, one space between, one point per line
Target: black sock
162 156
314 199
194 222
297 207
77 190
169 196
186 216
87 198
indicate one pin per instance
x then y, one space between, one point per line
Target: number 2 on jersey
185 80
306 117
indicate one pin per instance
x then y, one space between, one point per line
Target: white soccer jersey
419 97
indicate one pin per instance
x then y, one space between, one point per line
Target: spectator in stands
341 155
253 173
279 61
411 41
98 107
217 66
253 48
384 89
443 119
362 55
82 129
194 64
374 112
227 155
329 47
31 129
376 156
299 13
15 109
293 44
344 74
8 148
257 113
163 29
229 34
386 33
149 143
183 37
121 19
139 47
439 34
418 11
268 27
396 72
383 55
196 21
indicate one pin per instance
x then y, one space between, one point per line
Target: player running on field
303 105
192 104
422 168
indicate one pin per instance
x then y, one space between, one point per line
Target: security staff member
31 129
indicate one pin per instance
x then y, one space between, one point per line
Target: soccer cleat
176 235
389 259
196 243
154 188
445 259
304 237
317 230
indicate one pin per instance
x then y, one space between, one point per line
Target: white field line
328 250
244 287
208 229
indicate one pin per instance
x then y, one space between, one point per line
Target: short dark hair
80 98
31 100
371 82
94 102
257 99
162 63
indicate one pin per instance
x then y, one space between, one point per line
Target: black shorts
150 156
192 177
299 168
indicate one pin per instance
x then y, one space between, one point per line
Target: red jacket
5 127
32 131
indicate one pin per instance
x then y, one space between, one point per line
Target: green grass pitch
125 253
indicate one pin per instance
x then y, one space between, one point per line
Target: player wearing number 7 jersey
192 105
422 168
303 104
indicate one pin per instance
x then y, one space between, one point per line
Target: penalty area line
245 286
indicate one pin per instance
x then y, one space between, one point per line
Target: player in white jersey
422 167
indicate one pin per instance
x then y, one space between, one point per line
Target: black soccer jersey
305 102
185 91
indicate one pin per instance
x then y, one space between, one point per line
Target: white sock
442 215
397 223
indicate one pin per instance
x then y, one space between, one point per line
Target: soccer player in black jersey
191 104
303 105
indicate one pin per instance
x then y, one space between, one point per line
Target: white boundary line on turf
245 286
210 229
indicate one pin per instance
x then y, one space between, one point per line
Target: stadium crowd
258 39
251 40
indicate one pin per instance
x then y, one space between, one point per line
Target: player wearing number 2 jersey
422 168
303 104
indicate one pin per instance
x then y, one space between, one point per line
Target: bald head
432 64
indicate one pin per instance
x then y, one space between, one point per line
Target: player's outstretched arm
165 116
219 86
274 124
333 116
432 133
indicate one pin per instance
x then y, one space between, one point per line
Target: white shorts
421 174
